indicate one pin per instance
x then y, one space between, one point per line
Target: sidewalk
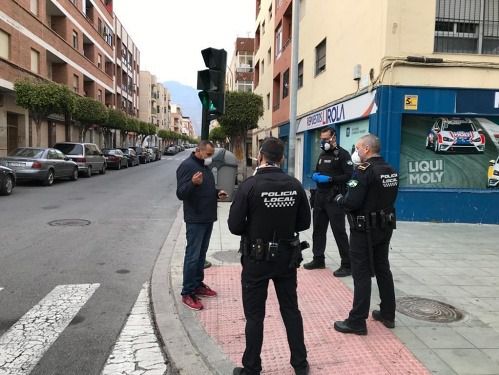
457 264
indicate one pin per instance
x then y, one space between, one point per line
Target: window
33 7
285 84
99 61
99 95
320 57
4 45
268 102
278 41
300 74
76 83
467 26
75 40
245 86
35 61
99 25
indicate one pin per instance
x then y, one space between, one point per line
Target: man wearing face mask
370 206
334 168
196 188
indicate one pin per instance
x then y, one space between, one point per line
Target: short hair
202 144
273 149
372 141
328 129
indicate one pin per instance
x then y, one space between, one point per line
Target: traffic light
211 81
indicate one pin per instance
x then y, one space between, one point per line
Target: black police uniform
270 207
337 164
369 203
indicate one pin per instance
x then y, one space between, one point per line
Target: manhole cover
229 256
69 223
428 309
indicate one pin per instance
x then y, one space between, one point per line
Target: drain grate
69 223
428 309
228 256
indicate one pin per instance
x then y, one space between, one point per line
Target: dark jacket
338 165
270 206
200 202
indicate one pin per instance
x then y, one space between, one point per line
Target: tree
89 112
116 119
217 135
242 111
42 99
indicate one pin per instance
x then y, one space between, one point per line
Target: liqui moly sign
359 107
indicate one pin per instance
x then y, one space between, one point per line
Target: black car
142 154
131 155
7 180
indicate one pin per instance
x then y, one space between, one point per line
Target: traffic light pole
205 124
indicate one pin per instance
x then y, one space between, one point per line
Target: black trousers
327 212
255 280
359 255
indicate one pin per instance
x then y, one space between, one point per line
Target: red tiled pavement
323 299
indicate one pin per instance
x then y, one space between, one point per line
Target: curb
187 346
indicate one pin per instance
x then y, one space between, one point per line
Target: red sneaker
192 302
204 291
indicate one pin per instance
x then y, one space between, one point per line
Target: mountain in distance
187 98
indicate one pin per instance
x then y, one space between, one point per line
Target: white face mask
208 161
356 157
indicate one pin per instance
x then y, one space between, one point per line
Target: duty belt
378 219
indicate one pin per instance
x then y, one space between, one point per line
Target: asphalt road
130 213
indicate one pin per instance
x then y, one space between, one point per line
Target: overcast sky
170 34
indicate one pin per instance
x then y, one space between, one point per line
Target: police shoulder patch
352 183
363 166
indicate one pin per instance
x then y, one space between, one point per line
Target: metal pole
205 125
294 87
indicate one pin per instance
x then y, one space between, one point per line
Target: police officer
334 168
268 211
370 209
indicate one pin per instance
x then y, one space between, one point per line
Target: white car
493 174
455 135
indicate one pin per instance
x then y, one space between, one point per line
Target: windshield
35 153
461 127
69 148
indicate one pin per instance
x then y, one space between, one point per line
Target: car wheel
435 147
89 171
7 185
427 143
49 180
118 167
103 170
74 176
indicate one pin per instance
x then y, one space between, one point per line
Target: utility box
224 169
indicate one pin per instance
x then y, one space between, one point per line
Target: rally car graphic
493 173
455 135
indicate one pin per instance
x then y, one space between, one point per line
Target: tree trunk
38 127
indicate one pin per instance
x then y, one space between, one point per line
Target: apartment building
71 42
422 76
186 127
154 101
240 70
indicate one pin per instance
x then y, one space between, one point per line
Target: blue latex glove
320 178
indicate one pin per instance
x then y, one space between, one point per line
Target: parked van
87 155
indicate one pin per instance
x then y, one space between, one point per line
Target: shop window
300 74
4 45
320 57
35 61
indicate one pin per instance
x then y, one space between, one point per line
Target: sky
170 34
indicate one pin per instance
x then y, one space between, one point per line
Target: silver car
87 155
40 164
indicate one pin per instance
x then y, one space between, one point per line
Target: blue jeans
198 239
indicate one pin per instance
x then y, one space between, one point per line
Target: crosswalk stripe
22 346
137 346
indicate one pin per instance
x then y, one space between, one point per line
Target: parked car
152 156
493 173
171 150
455 135
40 164
142 154
156 153
87 155
7 180
130 153
115 158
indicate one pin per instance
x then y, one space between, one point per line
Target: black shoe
302 371
376 314
207 264
239 371
344 326
315 264
342 272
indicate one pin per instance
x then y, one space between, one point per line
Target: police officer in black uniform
369 203
334 168
268 211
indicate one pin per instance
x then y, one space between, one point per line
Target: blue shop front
443 141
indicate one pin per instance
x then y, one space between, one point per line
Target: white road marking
22 346
137 347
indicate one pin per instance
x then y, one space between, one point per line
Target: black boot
316 263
